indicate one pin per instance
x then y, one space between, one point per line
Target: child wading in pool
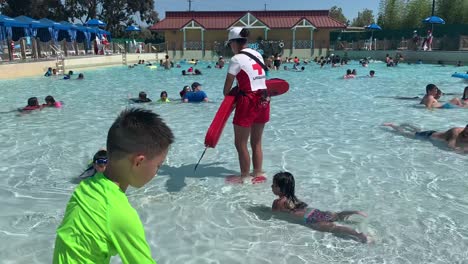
283 186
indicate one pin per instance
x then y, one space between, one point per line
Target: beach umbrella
433 20
373 27
132 28
95 23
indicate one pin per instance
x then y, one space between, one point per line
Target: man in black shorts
456 138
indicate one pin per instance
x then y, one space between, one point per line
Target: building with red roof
204 33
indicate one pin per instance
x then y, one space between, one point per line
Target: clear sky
350 7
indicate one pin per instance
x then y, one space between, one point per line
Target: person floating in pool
349 74
68 76
98 164
48 72
184 91
163 98
50 102
430 101
220 63
33 104
284 185
371 74
196 95
456 138
80 76
464 98
142 98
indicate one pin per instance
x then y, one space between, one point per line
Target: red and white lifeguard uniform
250 78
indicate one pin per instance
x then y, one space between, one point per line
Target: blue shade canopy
10 22
95 23
373 27
132 28
433 20
53 24
31 22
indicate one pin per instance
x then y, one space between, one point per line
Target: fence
265 47
25 50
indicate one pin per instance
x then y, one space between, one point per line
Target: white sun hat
234 33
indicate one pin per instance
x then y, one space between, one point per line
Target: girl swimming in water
283 186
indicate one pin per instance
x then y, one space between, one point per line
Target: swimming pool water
326 131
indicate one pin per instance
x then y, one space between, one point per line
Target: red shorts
250 110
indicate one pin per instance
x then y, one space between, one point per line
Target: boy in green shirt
99 221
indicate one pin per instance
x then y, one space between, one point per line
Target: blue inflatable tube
460 75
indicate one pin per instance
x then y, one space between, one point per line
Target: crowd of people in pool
188 94
138 142
99 213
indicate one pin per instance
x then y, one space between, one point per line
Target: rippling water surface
327 131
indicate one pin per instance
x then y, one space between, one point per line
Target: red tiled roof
225 19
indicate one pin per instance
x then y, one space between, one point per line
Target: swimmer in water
455 138
33 104
283 186
430 101
50 102
142 98
163 97
98 165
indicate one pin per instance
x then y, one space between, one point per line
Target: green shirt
99 222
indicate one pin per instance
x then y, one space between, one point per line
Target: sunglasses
101 161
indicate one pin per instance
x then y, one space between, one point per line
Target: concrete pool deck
37 68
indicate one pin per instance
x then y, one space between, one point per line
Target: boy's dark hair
140 131
372 72
285 181
142 95
32 101
50 99
430 87
348 71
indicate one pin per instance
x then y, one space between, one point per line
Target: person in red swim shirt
33 104
252 108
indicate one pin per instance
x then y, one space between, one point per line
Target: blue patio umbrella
433 20
132 28
95 23
373 27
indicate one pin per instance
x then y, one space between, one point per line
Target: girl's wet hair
163 93
465 96
32 101
50 99
285 181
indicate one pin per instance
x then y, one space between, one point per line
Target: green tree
115 13
391 12
337 13
416 11
52 9
364 18
452 11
